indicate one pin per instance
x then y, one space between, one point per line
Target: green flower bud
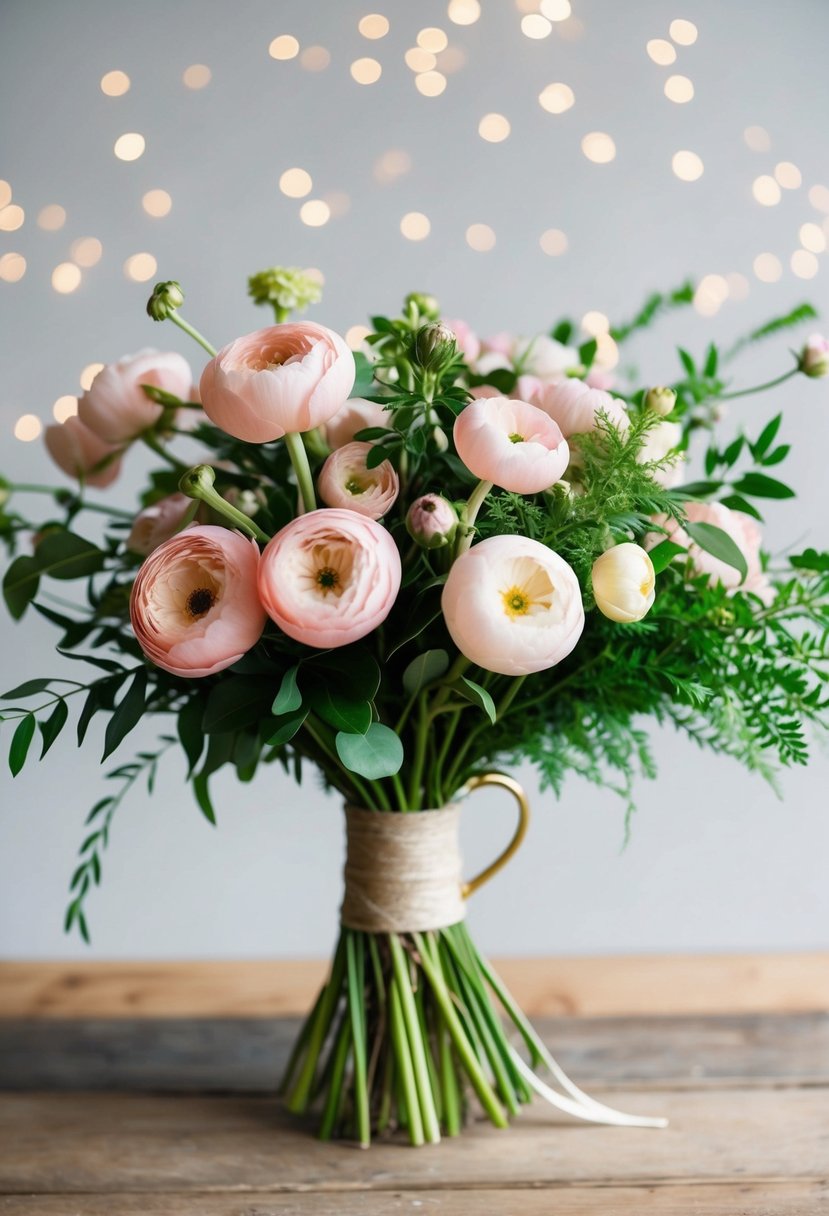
660 399
422 303
286 288
166 298
434 347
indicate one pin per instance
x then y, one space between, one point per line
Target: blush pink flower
116 407
511 443
79 453
158 523
194 605
576 407
356 415
329 577
346 481
469 343
513 606
287 378
742 529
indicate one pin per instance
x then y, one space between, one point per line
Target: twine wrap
402 871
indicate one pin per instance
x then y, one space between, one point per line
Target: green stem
466 531
423 1082
300 1094
197 483
421 738
759 388
302 469
355 962
179 320
156 446
333 1101
403 1058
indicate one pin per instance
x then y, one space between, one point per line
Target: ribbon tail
579 1105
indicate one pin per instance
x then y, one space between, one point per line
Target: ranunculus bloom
291 377
469 343
511 443
742 529
513 606
660 441
624 583
194 605
116 407
431 521
345 481
329 577
543 357
576 407
158 523
356 415
77 450
814 357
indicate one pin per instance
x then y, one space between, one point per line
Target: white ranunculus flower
624 583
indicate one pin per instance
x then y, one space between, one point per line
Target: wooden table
177 1116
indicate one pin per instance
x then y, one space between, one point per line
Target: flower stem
423 1081
156 446
302 469
760 388
179 320
198 483
466 531
355 964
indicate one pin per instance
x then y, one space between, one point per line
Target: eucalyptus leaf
236 702
289 698
376 754
288 726
342 712
423 669
477 695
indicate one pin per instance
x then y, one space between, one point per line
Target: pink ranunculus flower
598 378
355 415
329 577
513 606
469 344
576 407
660 442
116 407
194 605
742 529
78 451
286 378
346 481
511 443
814 357
158 523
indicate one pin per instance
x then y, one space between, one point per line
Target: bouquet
410 567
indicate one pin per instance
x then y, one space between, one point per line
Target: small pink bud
431 521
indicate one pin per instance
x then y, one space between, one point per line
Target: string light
140 267
284 47
819 198
535 26
5 194
86 251
679 89
464 12
556 98
555 10
129 146
415 226
432 39
804 264
430 84
553 242
12 218
51 218
687 166
375 25
157 203
27 428
66 278
296 183
315 213
12 267
661 51
197 76
710 295
813 238
598 147
419 60
684 33
65 407
494 128
366 71
115 84
767 267
788 175
88 375
766 190
480 237
738 285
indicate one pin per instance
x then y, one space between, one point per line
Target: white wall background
716 861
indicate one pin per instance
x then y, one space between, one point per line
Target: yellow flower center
516 438
516 602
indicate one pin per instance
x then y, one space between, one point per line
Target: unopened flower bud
166 298
624 582
434 346
287 288
660 399
198 481
431 521
814 357
422 303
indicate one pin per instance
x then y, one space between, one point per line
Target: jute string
402 871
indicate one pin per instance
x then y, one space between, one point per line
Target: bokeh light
419 60
27 427
679 89
684 33
813 238
819 198
661 51
129 146
430 84
115 84
710 295
553 242
315 58
494 128
140 267
535 26
86 251
480 237
599 147
464 12
738 286
687 165
66 278
315 213
366 71
788 175
65 407
766 190
391 165
555 10
296 183
285 46
595 323
415 226
556 98
88 375
757 138
157 203
804 264
12 267
197 76
356 336
767 267
5 193
432 39
12 217
51 217
373 25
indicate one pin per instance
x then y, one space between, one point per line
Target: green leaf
803 312
364 379
767 436
477 695
563 332
20 584
696 489
202 792
378 753
128 713
732 453
369 434
687 362
289 698
811 559
664 553
91 706
711 361
758 485
288 726
780 453
190 732
235 702
587 352
718 543
341 712
21 740
28 689
736 503
64 555
351 668
378 454
428 666
54 724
